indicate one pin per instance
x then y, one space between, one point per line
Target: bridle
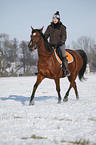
37 43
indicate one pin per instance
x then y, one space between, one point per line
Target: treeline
16 59
89 46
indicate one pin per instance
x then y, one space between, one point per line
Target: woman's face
55 20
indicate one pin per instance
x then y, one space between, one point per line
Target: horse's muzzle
30 46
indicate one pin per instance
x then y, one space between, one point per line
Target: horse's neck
42 51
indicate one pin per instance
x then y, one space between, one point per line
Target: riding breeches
62 48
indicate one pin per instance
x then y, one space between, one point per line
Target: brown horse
48 66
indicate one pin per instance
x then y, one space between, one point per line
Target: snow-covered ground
46 123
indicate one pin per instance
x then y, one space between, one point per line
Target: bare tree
85 43
14 49
88 45
27 58
4 39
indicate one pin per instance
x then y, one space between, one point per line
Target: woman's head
56 17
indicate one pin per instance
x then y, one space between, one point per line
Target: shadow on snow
23 99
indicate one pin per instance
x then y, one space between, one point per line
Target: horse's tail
83 69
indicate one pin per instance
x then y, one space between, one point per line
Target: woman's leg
64 61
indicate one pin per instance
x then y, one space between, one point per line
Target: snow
47 122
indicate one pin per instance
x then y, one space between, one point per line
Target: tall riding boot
65 67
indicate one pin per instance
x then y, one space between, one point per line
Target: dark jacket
56 33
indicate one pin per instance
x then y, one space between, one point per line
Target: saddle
58 56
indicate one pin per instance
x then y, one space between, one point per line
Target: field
47 123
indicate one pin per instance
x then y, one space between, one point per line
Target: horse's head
35 39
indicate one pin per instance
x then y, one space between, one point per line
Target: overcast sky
16 17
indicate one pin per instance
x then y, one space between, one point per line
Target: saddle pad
68 56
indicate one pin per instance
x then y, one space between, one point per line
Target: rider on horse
57 33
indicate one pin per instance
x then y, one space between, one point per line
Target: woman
56 31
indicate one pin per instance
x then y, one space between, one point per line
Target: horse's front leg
57 82
39 79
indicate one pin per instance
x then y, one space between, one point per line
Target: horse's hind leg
39 79
71 78
67 93
57 82
76 92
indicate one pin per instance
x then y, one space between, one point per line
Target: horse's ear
41 29
32 28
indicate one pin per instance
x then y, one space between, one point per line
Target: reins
45 52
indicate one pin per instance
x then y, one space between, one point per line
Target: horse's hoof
77 99
59 102
31 102
65 99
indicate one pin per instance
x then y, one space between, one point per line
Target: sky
79 17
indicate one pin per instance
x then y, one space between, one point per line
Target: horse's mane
47 44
